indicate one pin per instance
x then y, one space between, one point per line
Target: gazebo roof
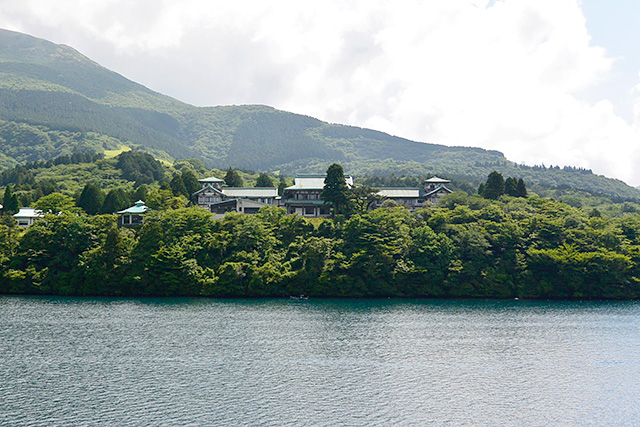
137 209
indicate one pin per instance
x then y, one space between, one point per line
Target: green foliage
364 197
515 247
336 191
521 188
497 186
115 200
494 187
233 179
178 187
264 180
55 203
511 187
191 183
140 167
10 200
91 199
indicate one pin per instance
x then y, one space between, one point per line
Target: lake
201 362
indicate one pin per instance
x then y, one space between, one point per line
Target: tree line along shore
466 246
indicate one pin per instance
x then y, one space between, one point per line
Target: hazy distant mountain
53 101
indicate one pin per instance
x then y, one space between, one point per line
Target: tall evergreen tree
11 202
494 187
190 182
91 199
233 179
511 187
522 189
336 191
115 201
178 187
140 193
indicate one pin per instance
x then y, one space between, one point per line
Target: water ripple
77 362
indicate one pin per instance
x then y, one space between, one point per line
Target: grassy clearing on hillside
110 154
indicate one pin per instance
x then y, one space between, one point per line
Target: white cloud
504 75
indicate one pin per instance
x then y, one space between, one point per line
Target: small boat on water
299 297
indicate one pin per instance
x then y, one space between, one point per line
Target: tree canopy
336 191
233 178
91 199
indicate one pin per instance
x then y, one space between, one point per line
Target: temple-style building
304 196
220 200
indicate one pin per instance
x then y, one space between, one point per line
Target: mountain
54 101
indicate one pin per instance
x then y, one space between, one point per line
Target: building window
309 211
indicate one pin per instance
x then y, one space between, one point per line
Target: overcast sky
544 81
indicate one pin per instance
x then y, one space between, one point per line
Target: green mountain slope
55 101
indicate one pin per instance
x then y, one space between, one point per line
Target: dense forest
467 246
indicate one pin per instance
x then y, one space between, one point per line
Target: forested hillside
54 101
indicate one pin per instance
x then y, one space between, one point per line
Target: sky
553 82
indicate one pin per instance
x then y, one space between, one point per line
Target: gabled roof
137 209
28 213
207 187
313 182
242 192
440 188
211 179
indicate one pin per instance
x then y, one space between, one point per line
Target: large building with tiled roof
218 199
304 196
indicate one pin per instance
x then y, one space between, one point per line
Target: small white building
27 216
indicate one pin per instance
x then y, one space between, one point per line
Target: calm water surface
74 361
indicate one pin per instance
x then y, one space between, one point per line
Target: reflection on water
75 361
